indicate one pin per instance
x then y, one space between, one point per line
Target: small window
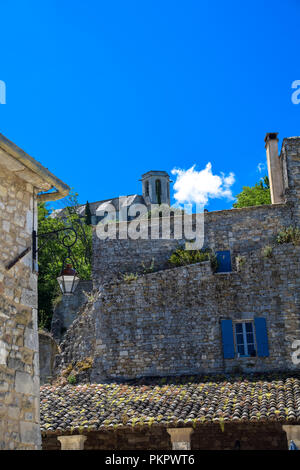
244 339
147 188
158 191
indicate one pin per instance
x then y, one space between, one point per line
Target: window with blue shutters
261 337
227 339
246 338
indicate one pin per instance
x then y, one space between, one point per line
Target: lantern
68 280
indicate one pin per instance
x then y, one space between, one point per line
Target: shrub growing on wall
289 235
182 257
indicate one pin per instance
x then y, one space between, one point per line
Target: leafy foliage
127 277
289 235
72 379
88 214
254 196
150 268
182 257
52 254
267 251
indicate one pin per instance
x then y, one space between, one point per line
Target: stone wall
206 437
168 322
67 309
48 349
237 230
19 365
290 156
112 258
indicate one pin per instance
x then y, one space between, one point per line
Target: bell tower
156 187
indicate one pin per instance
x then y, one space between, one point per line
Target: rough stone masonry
21 178
19 385
169 321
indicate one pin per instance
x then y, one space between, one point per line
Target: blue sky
102 91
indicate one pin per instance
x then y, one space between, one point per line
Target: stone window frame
244 321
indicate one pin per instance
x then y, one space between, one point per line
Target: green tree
52 253
255 195
88 214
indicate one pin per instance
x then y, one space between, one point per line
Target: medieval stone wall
168 322
67 308
19 365
290 157
112 258
48 349
237 230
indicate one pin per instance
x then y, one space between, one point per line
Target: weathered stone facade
169 321
290 159
112 258
237 230
19 389
21 178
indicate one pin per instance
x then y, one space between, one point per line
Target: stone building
156 190
170 356
23 183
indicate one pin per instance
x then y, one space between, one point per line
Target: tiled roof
117 202
179 401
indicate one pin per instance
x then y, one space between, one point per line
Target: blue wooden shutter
227 339
261 337
224 261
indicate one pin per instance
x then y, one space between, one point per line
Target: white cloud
192 186
261 167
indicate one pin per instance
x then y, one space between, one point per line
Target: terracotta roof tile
171 401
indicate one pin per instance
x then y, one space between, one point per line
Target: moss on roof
172 401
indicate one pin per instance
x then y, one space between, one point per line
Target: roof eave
28 168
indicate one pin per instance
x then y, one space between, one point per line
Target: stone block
25 383
31 339
30 433
29 298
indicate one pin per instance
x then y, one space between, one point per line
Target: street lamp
68 280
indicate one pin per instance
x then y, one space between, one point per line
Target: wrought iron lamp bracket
67 241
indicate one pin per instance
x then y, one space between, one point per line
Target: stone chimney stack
274 168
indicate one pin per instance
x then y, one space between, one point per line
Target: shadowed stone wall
19 365
67 308
48 349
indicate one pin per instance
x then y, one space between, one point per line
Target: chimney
274 168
